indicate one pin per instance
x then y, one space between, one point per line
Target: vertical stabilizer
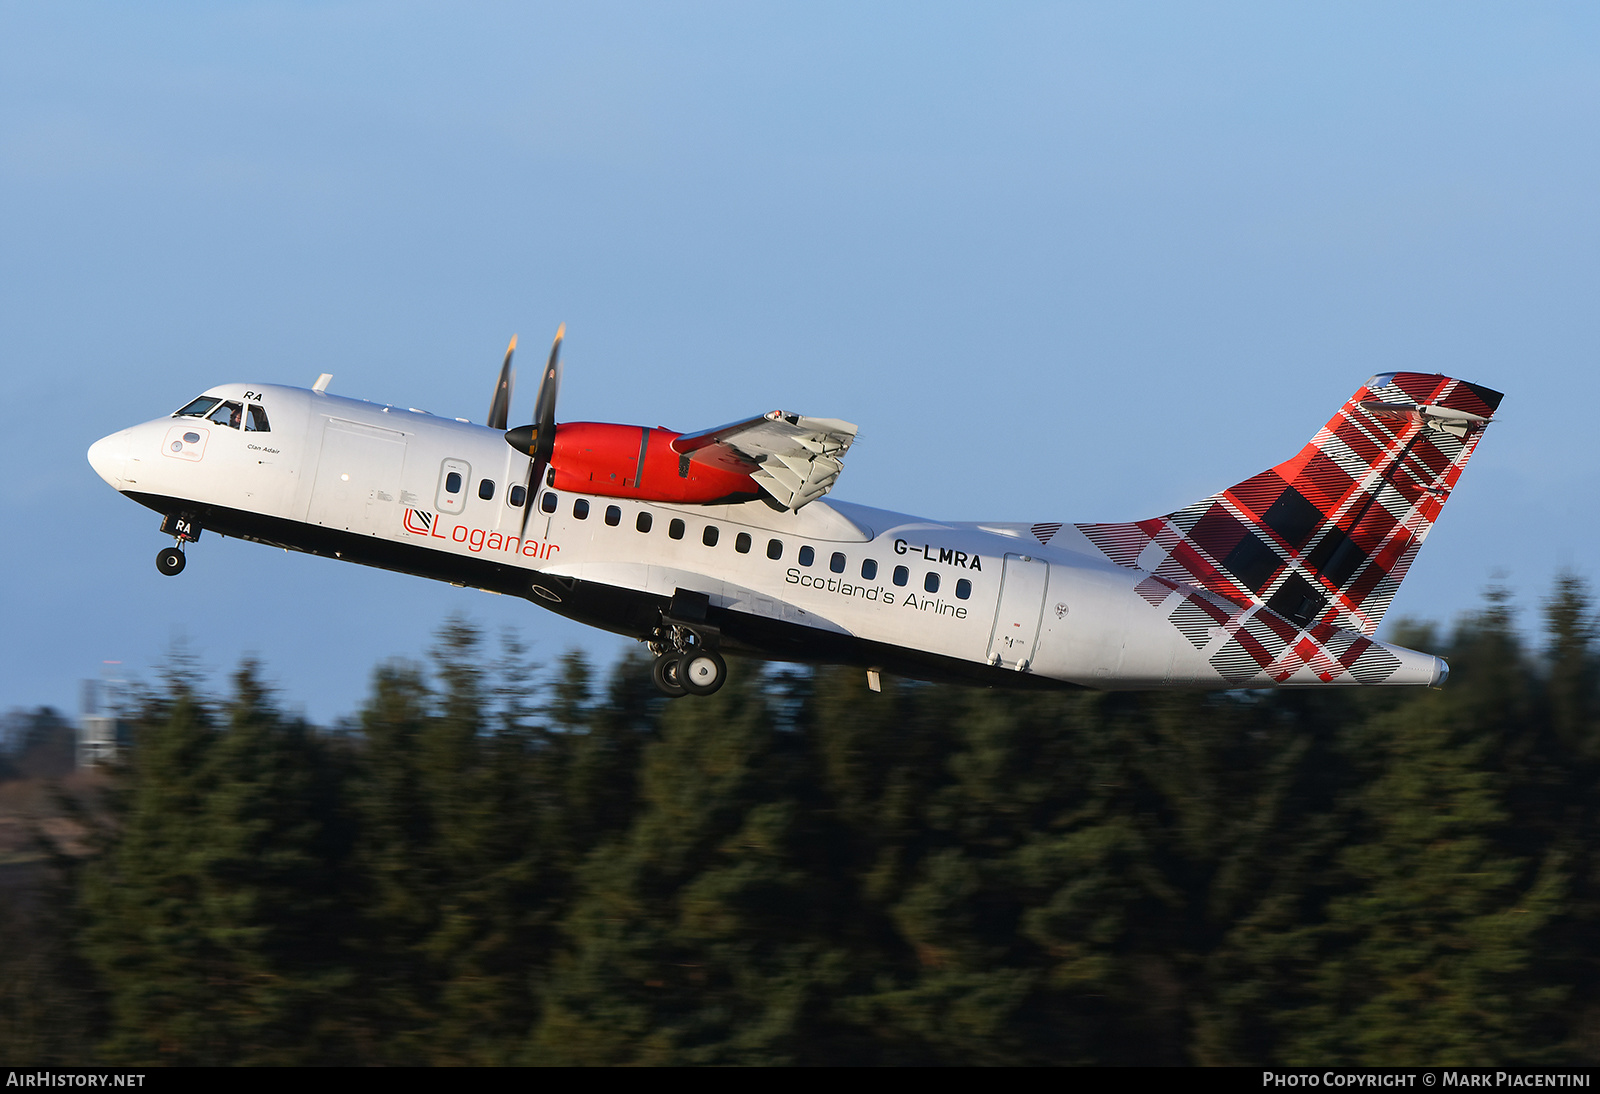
1319 544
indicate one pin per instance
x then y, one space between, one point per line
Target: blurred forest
498 863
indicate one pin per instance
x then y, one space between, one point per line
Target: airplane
722 541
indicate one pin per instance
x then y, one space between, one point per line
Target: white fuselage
831 582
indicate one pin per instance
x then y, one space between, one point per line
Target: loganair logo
433 526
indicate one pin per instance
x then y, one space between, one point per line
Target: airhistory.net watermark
47 1078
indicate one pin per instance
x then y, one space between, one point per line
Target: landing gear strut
170 560
687 662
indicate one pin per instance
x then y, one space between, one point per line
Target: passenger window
519 494
807 556
869 568
901 575
580 508
643 523
613 515
931 582
741 543
836 563
256 420
548 503
963 589
675 529
486 489
774 548
452 483
709 536
227 414
198 408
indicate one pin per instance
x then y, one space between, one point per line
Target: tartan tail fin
1324 538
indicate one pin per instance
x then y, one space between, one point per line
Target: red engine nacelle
630 461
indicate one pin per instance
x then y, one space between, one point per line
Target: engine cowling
630 461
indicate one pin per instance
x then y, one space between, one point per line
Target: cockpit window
256 420
198 408
227 414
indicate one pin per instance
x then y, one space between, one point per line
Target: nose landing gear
170 560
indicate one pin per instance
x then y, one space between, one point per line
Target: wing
795 459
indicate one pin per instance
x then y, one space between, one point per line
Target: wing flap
793 458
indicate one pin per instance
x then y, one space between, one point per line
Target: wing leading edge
793 458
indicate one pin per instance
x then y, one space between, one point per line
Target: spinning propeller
500 405
537 440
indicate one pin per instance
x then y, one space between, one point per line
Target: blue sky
1059 262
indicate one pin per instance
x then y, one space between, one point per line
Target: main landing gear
685 667
687 662
170 560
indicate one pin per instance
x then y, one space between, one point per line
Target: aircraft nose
109 456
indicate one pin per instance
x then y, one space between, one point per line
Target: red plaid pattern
1296 566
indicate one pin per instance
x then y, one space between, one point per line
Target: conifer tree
453 805
49 1008
689 940
1572 657
212 918
144 928
1557 811
961 981
595 751
1428 947
508 866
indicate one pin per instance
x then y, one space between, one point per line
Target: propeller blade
544 406
538 440
500 405
536 468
